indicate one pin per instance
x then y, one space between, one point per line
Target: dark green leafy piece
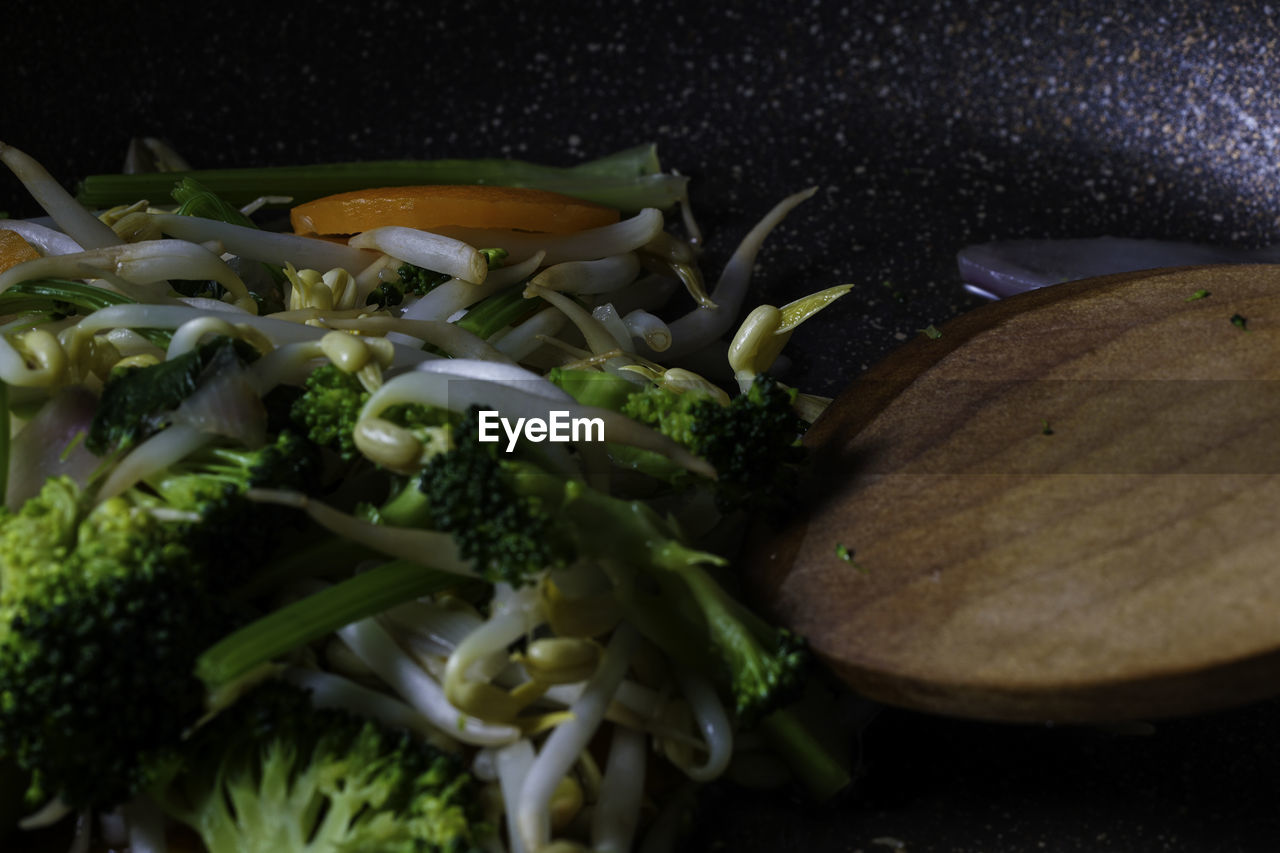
410 279
195 199
137 401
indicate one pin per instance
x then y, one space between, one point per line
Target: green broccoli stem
821 774
318 559
608 527
497 312
315 616
595 387
628 180
408 507
629 538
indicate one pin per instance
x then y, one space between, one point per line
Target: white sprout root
590 277
427 250
517 399
334 691
703 325
589 245
79 224
429 548
146 262
452 297
569 739
383 655
617 812
274 247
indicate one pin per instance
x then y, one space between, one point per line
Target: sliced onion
40 449
226 403
145 262
274 247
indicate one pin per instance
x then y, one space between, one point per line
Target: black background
927 126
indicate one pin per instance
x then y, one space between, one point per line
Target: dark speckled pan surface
926 126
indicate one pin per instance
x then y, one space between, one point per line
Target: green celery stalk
281 631
627 180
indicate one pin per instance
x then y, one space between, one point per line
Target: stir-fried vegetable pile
290 550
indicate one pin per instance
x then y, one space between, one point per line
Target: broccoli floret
101 616
687 612
208 486
753 442
329 408
469 491
275 774
410 279
765 664
515 519
672 413
104 609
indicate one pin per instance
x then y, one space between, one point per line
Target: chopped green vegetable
195 199
275 775
105 607
476 495
1240 322
138 401
328 409
1199 294
628 180
844 552
753 442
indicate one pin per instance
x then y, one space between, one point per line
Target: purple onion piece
39 450
1001 269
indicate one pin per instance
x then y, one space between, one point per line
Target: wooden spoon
1066 508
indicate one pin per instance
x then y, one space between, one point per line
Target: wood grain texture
1065 508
